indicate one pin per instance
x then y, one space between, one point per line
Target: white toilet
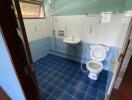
95 66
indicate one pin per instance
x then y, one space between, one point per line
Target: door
120 59
16 40
125 90
124 57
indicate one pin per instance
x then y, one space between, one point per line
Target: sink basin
72 40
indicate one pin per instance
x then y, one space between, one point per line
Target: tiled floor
62 79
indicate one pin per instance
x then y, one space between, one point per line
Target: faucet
73 38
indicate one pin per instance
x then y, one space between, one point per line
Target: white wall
110 34
36 28
8 79
106 33
125 21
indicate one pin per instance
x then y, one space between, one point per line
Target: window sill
34 18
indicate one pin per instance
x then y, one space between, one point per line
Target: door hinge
26 69
32 67
120 56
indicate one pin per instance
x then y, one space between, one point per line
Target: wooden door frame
26 44
19 51
9 44
125 48
115 92
125 88
3 95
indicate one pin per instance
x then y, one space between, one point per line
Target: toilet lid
98 53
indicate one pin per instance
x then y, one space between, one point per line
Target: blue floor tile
57 93
74 82
68 79
74 98
62 79
102 87
92 91
79 94
65 96
40 80
70 89
44 84
100 95
94 84
82 87
45 75
51 98
57 81
44 95
50 78
50 88
88 97
63 85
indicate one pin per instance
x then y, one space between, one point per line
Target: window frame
41 5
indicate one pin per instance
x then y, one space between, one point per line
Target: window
106 17
32 9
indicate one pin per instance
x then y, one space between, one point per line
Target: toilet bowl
95 66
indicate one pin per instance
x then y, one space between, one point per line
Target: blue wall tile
76 52
39 48
44 46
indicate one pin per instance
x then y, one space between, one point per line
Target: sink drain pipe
83 61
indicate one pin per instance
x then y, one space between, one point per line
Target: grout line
86 92
53 61
60 88
54 89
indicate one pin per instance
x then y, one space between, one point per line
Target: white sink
72 40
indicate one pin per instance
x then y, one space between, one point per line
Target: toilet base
93 76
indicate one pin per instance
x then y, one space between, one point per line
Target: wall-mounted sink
72 40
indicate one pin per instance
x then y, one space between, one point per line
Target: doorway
57 65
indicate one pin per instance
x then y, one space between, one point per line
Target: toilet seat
98 53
